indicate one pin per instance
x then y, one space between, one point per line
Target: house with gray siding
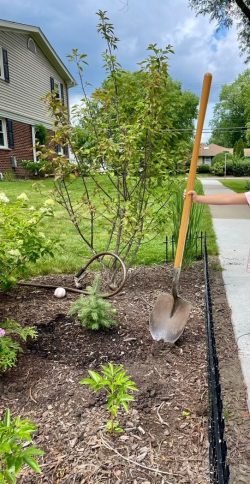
29 69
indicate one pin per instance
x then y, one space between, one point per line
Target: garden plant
10 333
118 387
92 311
16 449
22 240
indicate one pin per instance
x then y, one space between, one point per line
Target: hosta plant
16 447
10 333
118 387
92 311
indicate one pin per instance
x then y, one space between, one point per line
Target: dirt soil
165 432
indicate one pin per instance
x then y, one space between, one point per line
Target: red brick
23 149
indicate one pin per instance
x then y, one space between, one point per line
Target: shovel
170 313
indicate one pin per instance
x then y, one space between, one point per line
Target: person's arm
220 199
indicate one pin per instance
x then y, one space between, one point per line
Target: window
1 64
31 45
207 160
3 134
57 88
4 65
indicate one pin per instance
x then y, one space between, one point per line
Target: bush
9 347
34 167
203 169
93 311
218 168
221 158
22 241
15 447
235 167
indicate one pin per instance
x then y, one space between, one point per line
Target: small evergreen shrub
10 333
15 447
92 311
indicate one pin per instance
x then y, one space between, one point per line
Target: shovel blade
168 318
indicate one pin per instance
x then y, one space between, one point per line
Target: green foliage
9 346
93 311
235 167
232 111
221 158
42 135
118 387
127 128
34 167
15 447
239 148
22 241
227 13
193 228
203 169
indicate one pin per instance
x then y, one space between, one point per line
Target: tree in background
226 12
231 112
239 149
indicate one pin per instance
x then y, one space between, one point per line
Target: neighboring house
29 69
207 152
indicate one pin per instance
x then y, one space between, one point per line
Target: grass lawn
239 186
72 253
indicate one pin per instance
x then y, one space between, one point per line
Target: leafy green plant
34 167
10 332
93 311
42 135
22 240
193 228
118 387
15 447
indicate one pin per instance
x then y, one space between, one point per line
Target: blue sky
198 47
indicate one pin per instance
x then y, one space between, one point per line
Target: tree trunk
244 8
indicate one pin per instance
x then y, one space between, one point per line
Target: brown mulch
160 444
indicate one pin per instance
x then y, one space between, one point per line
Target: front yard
71 253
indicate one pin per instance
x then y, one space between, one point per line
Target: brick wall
23 149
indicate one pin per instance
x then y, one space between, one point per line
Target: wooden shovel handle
192 172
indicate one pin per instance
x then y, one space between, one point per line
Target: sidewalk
232 228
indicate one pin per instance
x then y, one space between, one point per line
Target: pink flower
2 332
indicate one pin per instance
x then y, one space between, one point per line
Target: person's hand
192 193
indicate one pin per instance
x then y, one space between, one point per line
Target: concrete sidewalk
232 228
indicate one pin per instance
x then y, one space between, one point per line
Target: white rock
60 292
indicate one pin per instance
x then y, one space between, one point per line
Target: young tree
226 12
131 129
232 112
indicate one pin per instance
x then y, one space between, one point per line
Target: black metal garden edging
197 242
219 469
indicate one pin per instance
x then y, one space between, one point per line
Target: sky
198 47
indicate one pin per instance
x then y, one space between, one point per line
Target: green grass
239 186
72 253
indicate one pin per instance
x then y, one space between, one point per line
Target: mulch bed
160 443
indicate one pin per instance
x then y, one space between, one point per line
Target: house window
31 45
3 134
207 160
1 64
57 89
